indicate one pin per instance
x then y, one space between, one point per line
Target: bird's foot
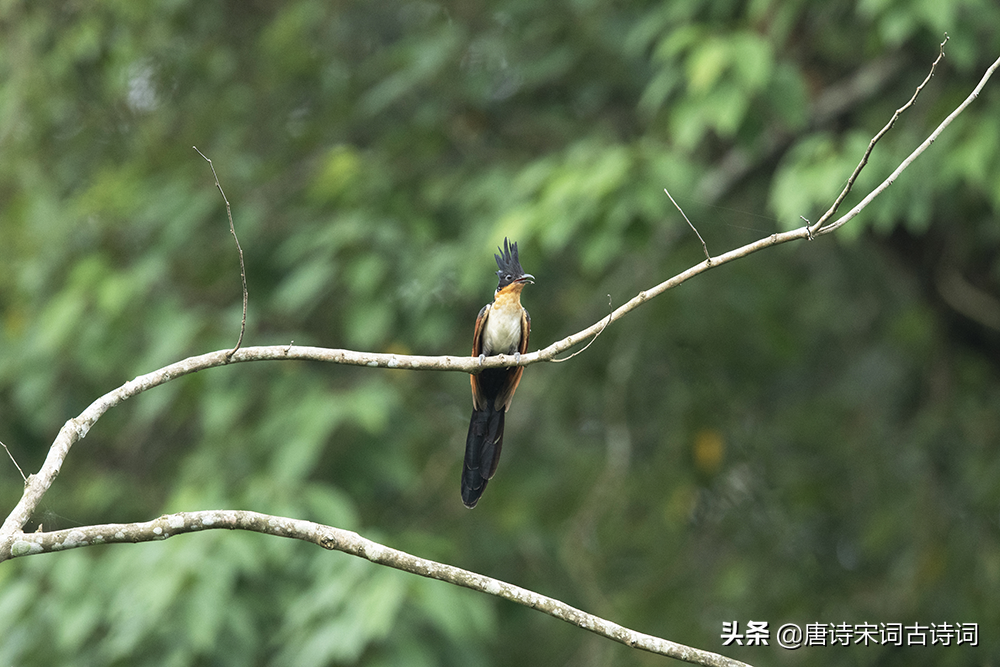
482 358
517 358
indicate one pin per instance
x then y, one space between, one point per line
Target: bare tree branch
14 461
14 542
77 428
871 144
232 230
911 157
704 246
349 542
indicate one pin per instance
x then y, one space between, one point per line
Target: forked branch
871 144
14 542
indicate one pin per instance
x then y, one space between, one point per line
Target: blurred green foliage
806 435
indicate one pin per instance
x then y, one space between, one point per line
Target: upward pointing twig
232 229
917 152
704 246
816 226
15 462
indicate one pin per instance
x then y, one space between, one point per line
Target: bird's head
510 267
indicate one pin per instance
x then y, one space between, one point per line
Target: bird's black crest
510 266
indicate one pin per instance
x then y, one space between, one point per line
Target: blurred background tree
807 435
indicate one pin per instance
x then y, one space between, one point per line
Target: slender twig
338 539
232 229
831 102
704 246
14 461
871 144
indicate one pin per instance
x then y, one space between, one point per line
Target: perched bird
502 327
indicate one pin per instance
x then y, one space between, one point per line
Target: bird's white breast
502 331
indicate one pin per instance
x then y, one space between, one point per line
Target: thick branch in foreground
337 539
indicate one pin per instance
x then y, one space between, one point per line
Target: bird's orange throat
509 295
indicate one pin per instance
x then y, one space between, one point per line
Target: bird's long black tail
482 452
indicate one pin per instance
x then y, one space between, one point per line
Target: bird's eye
508 276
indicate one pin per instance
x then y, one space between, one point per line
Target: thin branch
337 539
871 144
14 461
704 246
232 229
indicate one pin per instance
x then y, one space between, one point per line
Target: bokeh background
807 435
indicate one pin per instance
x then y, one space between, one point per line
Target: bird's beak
526 278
